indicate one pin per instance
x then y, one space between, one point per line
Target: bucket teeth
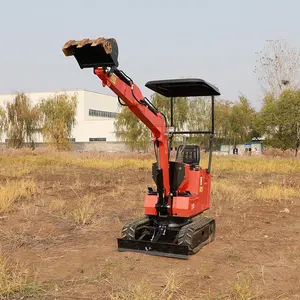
83 43
67 48
70 46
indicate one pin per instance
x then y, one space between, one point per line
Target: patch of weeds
275 193
15 190
15 280
84 211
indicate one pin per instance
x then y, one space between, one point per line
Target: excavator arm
127 91
101 55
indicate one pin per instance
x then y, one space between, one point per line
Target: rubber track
185 235
129 228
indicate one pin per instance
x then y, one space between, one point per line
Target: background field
60 215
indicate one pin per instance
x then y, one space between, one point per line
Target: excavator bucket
96 53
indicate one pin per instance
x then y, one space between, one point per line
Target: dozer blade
157 249
96 53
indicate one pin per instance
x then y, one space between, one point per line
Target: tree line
277 122
234 122
52 118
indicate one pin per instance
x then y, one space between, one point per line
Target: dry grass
241 290
70 176
21 236
134 292
276 193
15 190
113 163
173 286
256 165
227 191
142 291
174 289
20 162
15 280
16 238
84 211
237 290
56 204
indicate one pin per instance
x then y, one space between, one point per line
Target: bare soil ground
58 234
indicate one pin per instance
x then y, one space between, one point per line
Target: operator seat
190 154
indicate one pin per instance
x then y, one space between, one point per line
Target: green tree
131 130
280 121
199 119
180 109
58 119
234 122
181 113
21 121
135 134
241 121
223 111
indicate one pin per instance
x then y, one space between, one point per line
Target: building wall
96 126
87 126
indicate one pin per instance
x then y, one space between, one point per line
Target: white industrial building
94 117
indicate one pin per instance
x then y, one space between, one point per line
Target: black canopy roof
183 87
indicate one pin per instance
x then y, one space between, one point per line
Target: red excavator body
197 182
174 224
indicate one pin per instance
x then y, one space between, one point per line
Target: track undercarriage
172 237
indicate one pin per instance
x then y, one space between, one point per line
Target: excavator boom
102 55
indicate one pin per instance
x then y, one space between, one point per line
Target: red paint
154 122
196 182
184 206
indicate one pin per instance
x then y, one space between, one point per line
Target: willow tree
132 131
21 121
58 119
136 135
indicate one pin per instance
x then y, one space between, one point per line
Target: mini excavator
174 224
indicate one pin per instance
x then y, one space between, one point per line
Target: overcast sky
158 39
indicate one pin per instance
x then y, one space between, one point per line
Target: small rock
207 277
266 236
286 210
